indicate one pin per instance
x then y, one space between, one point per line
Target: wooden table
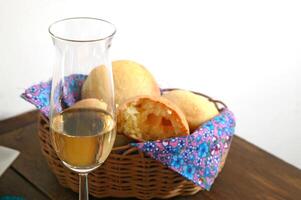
249 173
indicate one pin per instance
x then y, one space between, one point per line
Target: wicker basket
127 172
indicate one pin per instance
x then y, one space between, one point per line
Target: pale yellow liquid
83 138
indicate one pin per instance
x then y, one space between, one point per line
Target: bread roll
146 118
130 79
90 103
97 85
197 109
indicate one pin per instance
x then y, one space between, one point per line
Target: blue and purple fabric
39 94
197 157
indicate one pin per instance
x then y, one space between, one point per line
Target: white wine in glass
82 136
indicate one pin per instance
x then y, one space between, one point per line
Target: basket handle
217 103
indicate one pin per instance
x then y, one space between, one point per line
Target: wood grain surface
249 173
18 121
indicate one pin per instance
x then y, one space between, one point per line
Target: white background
247 53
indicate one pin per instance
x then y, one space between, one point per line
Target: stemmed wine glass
82 134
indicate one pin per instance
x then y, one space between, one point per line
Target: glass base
82 170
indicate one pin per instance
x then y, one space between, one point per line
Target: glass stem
83 186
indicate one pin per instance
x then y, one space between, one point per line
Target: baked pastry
145 118
197 109
130 79
90 103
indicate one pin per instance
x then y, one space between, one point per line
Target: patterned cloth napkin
197 157
39 94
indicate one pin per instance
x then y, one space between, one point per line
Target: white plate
7 157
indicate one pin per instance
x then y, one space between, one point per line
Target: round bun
130 79
197 109
145 118
90 103
96 85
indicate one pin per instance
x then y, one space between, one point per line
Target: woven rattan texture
127 172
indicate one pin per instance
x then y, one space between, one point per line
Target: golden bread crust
130 79
90 103
197 109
